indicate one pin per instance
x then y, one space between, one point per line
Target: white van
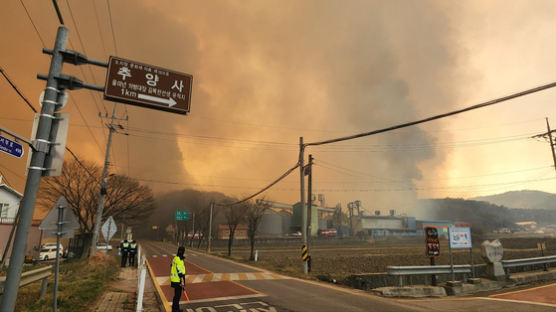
49 253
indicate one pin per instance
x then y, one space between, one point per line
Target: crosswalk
216 277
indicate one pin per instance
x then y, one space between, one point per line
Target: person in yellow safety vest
132 252
177 277
124 249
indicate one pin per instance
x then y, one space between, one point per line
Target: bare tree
125 200
235 214
255 212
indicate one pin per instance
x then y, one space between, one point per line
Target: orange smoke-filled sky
268 72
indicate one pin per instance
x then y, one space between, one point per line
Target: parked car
53 245
49 253
104 247
328 232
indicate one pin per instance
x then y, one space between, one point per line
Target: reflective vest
178 267
125 246
133 247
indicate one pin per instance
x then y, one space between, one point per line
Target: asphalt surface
215 284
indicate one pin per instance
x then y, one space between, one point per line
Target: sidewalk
121 294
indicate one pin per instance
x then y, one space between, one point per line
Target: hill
522 200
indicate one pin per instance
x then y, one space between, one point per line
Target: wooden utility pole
550 140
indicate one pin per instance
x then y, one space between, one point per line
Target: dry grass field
343 258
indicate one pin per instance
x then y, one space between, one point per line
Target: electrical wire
32 23
264 189
408 124
17 90
112 26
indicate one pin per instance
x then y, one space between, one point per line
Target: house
224 232
9 205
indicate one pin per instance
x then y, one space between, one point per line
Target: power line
404 125
58 12
265 188
31 20
432 188
112 26
17 90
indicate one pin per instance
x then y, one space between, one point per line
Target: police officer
132 252
124 249
177 277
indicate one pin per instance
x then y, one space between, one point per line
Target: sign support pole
58 234
472 263
36 168
100 207
451 255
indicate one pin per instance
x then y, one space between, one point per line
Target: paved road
214 284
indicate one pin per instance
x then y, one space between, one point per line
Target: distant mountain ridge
522 200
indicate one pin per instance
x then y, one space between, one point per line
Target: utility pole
52 95
550 140
193 229
303 208
210 226
100 207
309 173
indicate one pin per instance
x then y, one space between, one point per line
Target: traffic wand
186 297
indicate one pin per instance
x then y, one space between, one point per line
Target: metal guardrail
507 264
402 271
31 277
427 269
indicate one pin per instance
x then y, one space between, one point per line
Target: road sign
49 224
108 229
460 237
432 242
182 215
11 147
148 86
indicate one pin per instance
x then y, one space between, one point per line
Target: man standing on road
132 253
124 249
177 277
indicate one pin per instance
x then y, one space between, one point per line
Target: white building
9 203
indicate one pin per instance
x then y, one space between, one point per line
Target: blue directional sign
11 147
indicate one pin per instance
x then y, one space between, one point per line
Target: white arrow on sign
169 101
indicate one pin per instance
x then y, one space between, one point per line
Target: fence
31 277
141 274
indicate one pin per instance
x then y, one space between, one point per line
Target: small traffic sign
182 215
432 242
11 147
49 224
109 229
148 86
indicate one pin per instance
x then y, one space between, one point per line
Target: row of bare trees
133 204
126 199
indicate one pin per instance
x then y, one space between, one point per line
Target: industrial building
283 219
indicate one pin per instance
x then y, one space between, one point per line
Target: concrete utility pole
100 207
303 208
309 174
52 95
